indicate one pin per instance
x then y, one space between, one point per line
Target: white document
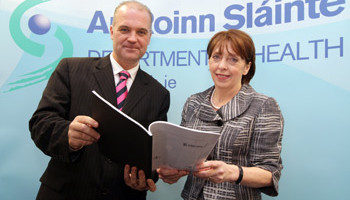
179 147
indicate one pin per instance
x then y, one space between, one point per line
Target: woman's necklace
211 101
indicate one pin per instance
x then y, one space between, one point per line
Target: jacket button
219 123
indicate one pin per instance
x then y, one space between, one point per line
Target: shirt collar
117 68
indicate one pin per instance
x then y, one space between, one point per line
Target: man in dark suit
61 126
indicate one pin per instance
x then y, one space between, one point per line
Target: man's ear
111 31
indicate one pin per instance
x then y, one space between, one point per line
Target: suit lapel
138 89
105 80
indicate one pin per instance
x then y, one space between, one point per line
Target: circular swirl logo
38 24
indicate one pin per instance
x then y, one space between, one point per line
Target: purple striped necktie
122 91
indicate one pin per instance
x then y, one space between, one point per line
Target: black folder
122 140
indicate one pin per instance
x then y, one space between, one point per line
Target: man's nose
132 37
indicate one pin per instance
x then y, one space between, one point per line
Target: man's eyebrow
140 29
144 29
122 26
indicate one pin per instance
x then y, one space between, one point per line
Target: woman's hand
217 171
171 176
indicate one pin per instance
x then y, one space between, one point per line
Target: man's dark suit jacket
87 174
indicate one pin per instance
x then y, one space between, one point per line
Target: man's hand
81 132
140 184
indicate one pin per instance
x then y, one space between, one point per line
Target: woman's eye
215 57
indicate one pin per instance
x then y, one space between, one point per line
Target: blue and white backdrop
302 60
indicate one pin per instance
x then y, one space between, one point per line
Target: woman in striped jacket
247 157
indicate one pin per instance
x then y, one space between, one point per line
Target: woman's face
227 68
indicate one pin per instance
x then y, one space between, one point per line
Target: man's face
131 35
